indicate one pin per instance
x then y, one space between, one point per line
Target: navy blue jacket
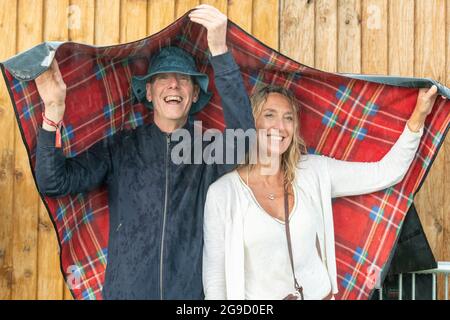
156 206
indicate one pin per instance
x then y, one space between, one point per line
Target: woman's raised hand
426 99
424 105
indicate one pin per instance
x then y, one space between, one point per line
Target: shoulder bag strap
288 236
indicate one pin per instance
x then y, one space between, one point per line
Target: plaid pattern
342 117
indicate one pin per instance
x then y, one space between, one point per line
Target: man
156 206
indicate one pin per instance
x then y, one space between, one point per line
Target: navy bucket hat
173 60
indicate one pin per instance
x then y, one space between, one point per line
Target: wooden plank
349 36
183 6
265 22
446 171
133 22
297 30
67 294
26 205
401 47
222 5
446 204
50 280
107 18
374 37
55 24
81 29
446 148
430 53
401 37
430 62
326 35
161 13
81 21
447 79
8 17
240 12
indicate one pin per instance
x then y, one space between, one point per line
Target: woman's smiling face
275 124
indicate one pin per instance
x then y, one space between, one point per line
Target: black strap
288 236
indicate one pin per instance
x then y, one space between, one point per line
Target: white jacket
223 251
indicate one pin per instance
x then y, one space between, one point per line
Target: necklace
270 195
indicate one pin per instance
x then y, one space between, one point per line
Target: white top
234 264
265 245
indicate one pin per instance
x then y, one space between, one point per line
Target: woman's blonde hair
291 156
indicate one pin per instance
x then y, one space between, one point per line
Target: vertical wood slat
430 62
26 204
182 6
297 24
447 28
107 18
401 40
161 13
222 5
349 36
446 204
326 35
374 37
133 20
81 25
401 37
81 21
240 13
265 22
8 17
50 280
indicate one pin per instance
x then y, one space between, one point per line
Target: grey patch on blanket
28 65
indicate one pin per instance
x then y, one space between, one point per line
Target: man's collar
188 125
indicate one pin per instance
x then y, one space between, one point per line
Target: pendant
271 196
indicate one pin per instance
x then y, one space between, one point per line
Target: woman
246 253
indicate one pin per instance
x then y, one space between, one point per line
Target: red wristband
57 126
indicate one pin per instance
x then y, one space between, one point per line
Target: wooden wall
398 37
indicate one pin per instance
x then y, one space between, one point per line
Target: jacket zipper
164 217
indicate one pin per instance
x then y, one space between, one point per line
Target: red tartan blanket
349 117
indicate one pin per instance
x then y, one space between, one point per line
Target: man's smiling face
172 95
